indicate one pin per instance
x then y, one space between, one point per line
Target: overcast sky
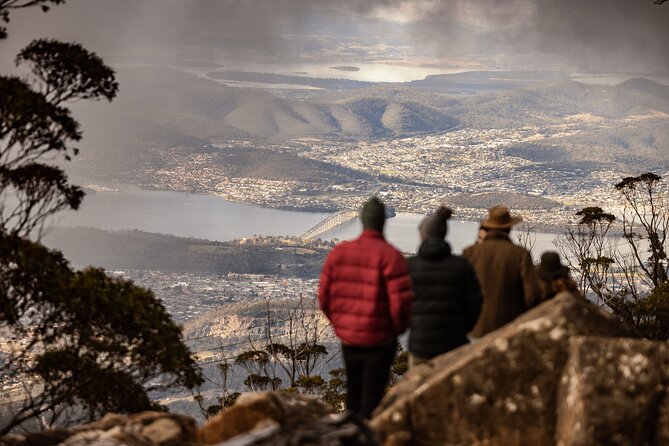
578 35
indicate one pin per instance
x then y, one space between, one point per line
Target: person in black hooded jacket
447 299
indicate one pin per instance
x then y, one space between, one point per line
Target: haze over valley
559 139
308 106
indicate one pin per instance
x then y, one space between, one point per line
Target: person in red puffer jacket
366 293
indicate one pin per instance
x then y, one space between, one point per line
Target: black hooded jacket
447 299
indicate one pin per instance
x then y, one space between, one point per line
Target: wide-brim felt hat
550 267
499 217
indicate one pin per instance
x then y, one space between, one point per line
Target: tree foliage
35 124
648 315
93 343
81 343
629 279
334 392
589 252
66 71
646 221
7 5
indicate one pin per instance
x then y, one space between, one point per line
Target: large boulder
500 390
261 410
614 392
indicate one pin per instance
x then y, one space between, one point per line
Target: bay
214 218
186 215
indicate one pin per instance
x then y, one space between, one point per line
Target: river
214 218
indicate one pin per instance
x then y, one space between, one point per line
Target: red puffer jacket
365 291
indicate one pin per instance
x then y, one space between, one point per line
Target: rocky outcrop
144 429
562 374
257 410
256 419
614 392
501 390
331 430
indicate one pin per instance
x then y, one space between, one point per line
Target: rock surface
143 429
500 390
562 374
612 392
331 430
290 410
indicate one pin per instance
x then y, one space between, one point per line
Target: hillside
542 103
475 81
147 251
202 108
182 109
241 162
512 200
220 335
149 130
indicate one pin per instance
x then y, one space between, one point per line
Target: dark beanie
373 214
435 225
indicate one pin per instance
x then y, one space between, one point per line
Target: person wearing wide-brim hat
554 277
499 217
505 271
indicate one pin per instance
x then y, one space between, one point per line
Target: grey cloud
592 34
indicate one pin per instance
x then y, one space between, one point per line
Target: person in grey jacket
447 298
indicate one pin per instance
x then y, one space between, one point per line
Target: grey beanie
434 225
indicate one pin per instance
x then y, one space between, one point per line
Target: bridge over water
331 222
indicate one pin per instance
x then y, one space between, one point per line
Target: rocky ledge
564 373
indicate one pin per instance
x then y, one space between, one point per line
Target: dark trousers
367 370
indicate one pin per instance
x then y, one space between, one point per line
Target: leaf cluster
67 71
95 342
34 124
7 5
648 316
594 215
82 343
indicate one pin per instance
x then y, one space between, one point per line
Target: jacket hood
434 249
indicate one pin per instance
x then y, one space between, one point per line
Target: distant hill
270 78
646 85
477 81
148 251
641 144
162 108
512 200
543 103
242 162
188 106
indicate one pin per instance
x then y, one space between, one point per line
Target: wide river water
214 218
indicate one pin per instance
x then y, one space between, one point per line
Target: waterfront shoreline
473 215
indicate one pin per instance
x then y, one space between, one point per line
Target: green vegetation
633 285
244 162
513 200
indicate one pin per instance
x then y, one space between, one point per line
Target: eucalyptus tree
80 343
